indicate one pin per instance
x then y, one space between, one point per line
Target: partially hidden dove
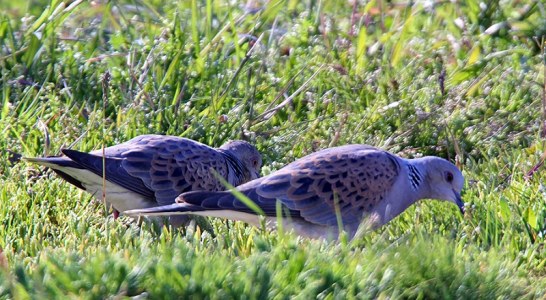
152 170
341 185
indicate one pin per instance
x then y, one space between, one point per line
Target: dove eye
449 177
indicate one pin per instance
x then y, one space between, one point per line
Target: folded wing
157 167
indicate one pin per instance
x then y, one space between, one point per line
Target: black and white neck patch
415 177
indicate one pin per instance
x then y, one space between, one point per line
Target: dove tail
53 162
58 164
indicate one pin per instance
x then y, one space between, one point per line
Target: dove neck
236 173
417 174
411 189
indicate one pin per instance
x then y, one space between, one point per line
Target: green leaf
117 40
20 293
272 10
505 209
531 218
361 49
33 50
474 55
172 66
194 26
398 47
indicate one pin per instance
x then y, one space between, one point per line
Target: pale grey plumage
358 181
152 170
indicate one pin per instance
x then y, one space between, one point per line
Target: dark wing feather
114 171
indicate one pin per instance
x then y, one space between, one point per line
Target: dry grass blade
271 112
240 68
47 142
105 81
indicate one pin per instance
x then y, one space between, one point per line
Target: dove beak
459 201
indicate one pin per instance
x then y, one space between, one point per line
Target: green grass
457 80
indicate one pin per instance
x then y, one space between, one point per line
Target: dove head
247 154
445 180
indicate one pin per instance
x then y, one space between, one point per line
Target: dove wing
351 181
171 166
